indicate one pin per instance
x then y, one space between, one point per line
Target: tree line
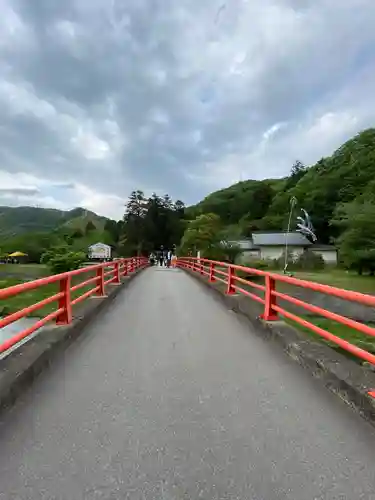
338 192
149 223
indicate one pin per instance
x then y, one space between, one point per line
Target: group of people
162 258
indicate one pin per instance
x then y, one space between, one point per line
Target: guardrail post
100 281
230 289
125 271
117 272
212 278
131 266
201 268
269 313
66 316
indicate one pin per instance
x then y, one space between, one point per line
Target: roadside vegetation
359 339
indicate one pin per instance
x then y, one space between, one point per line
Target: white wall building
269 245
99 251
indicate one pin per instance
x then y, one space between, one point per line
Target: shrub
306 261
62 259
280 262
310 261
262 265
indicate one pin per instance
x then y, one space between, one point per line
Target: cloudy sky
99 97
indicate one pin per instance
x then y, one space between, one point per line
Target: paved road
170 397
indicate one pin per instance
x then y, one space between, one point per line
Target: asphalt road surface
170 396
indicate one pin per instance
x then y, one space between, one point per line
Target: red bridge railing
105 273
269 295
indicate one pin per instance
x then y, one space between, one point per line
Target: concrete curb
21 367
342 376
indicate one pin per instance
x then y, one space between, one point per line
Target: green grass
355 337
32 270
13 304
340 279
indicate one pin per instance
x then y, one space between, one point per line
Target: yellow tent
17 254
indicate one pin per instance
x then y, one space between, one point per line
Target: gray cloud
19 191
106 96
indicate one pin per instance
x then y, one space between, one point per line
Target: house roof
261 239
99 243
318 246
245 244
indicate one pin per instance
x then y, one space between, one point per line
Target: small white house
248 251
328 252
271 245
99 251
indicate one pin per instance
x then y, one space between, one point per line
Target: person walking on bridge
161 257
169 258
174 259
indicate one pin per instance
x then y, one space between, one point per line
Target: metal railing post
100 281
117 272
212 278
269 313
230 288
66 316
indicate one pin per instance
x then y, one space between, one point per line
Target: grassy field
340 279
25 299
359 339
32 270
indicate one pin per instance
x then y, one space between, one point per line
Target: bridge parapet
70 285
263 289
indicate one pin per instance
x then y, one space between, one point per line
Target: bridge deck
169 396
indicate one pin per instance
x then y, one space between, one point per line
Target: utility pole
293 202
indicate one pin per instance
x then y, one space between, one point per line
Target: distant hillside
347 175
244 200
16 221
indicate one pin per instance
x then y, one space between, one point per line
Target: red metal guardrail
105 273
226 273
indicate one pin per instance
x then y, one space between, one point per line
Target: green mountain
35 230
16 221
346 176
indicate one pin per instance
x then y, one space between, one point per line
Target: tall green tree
134 221
151 223
202 233
207 234
356 222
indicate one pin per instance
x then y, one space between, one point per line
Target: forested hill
16 221
346 176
